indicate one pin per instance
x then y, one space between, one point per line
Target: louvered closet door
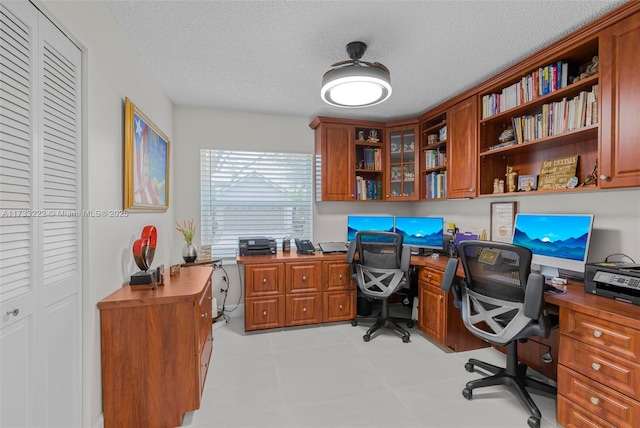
40 225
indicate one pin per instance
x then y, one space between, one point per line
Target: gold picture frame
146 162
503 215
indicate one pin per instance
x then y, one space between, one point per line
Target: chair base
515 377
384 320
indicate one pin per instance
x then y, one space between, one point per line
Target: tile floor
327 376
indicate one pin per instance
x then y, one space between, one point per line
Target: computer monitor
357 223
423 233
557 241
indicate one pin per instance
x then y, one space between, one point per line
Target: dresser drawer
339 306
262 313
597 399
303 309
616 372
613 337
570 415
337 276
303 277
430 276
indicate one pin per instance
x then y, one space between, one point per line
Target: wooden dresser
156 347
599 361
288 289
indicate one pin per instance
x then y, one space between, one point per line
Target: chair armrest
450 282
405 260
534 296
351 252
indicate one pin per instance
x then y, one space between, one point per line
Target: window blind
254 194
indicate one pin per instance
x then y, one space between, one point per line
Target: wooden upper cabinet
401 161
334 164
620 89
462 139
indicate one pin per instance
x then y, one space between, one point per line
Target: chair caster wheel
410 324
533 422
467 393
405 339
354 323
366 337
469 367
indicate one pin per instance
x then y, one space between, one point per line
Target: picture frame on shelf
502 218
146 162
527 183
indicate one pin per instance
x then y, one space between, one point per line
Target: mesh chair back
378 270
493 291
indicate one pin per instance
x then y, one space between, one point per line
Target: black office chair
380 269
502 303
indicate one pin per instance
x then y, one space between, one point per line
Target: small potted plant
188 230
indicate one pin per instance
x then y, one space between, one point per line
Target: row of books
536 84
435 185
368 189
559 117
435 158
372 158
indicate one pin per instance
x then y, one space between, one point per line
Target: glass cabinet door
402 164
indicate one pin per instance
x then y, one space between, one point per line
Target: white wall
113 71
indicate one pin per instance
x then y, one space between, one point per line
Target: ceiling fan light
356 86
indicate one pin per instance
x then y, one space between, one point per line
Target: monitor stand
549 272
424 252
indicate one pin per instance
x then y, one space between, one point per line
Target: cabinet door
462 127
432 311
264 280
334 162
339 306
303 309
620 86
303 277
402 163
336 276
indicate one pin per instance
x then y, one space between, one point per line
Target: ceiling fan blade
343 63
377 64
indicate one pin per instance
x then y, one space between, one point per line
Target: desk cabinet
291 290
156 348
598 372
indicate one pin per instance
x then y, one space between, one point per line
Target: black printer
616 280
256 245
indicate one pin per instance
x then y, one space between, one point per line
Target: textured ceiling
269 56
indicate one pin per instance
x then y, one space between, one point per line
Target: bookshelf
433 157
553 111
369 160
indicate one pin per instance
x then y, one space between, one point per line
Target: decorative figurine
143 251
360 135
501 186
592 177
496 185
511 179
373 136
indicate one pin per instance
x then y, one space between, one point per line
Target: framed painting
146 162
503 215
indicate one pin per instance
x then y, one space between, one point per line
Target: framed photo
503 215
146 162
527 183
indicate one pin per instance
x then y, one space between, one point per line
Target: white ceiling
269 56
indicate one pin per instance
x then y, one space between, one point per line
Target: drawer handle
204 315
595 366
594 400
340 306
264 280
13 312
304 277
597 333
340 276
429 275
304 309
264 313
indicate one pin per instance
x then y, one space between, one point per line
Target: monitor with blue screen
557 241
357 223
423 233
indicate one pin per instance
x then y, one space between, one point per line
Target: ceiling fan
356 83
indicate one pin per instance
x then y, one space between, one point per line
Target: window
254 194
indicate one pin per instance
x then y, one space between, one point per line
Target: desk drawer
431 276
570 415
616 372
597 399
613 337
303 309
266 312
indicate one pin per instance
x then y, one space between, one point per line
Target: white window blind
254 194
